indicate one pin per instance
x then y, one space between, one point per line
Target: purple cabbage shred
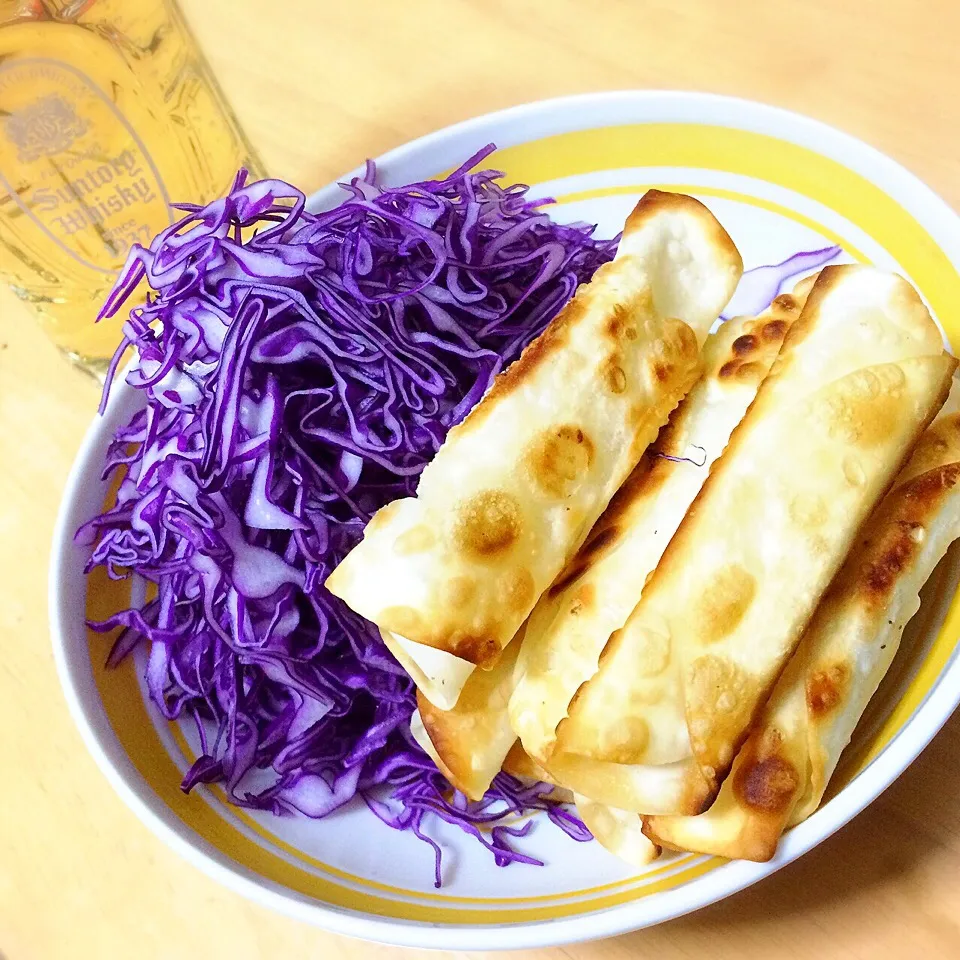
298 370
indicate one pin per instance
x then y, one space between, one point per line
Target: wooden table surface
320 85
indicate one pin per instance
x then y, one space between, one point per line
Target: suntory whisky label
73 164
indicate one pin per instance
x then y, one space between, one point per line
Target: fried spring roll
860 375
516 487
596 592
780 774
471 740
664 788
618 831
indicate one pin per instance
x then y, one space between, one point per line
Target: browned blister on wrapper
607 580
450 575
781 772
860 375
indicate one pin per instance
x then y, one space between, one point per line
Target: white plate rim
916 733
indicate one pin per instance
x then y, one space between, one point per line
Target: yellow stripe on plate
755 155
740 197
219 794
689 146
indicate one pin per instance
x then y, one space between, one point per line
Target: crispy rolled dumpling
780 774
860 375
519 763
517 486
665 788
440 676
600 586
471 741
618 831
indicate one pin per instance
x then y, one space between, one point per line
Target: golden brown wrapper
595 595
517 486
781 772
860 375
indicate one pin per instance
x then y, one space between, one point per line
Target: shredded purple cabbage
298 371
700 462
760 286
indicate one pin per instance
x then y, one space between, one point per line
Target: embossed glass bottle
108 114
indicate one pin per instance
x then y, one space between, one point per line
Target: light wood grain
319 86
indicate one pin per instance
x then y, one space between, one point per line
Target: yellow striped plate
779 183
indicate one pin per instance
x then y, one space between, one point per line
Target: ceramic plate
779 183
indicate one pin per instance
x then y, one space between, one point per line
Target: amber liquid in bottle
108 115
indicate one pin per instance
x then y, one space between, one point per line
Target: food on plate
470 742
438 675
597 590
781 772
860 375
519 763
297 371
618 831
665 788
516 487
